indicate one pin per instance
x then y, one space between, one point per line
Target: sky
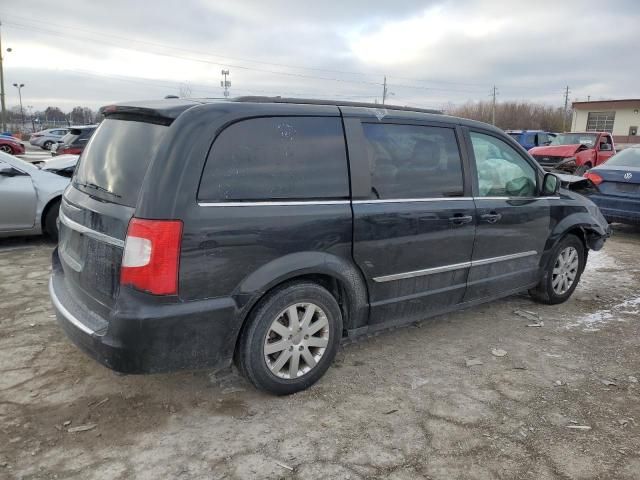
433 53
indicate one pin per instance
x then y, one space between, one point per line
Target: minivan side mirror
550 185
605 147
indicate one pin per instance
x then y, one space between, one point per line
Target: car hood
557 150
60 162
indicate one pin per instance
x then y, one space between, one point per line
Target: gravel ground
562 403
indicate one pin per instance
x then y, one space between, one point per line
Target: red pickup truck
575 152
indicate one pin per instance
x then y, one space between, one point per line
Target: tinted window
116 160
501 170
277 158
409 161
530 139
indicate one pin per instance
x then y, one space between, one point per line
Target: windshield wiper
98 187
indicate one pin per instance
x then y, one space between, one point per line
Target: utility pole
4 108
19 87
225 83
384 90
566 104
494 92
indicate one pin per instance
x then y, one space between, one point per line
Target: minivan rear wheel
291 338
562 273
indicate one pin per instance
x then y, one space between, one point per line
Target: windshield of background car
71 137
587 139
629 157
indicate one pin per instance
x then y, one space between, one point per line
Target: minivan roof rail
313 101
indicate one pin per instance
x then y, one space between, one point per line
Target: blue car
531 138
618 186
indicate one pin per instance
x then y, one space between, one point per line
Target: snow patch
602 317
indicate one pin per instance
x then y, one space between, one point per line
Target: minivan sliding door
414 226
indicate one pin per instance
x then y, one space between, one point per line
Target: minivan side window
501 170
413 161
277 158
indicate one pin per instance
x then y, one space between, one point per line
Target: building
621 118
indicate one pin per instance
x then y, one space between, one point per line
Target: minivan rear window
115 161
277 158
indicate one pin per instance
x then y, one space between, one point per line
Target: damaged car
265 231
29 198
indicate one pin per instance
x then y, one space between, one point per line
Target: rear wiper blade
98 187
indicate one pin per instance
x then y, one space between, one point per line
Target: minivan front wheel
562 274
291 338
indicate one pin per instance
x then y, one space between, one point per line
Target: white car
29 198
46 138
63 165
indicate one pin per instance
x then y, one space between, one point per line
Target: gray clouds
92 53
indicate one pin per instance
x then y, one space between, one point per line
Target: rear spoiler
163 112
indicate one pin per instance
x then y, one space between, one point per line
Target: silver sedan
29 198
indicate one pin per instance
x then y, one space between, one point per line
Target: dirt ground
563 402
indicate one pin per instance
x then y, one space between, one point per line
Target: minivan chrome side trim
420 273
90 232
410 200
454 266
273 204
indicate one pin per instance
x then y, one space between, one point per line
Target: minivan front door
513 221
413 225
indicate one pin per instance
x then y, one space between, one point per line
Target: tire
556 285
51 220
7 149
582 169
312 305
47 145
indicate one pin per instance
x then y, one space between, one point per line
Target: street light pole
4 108
19 87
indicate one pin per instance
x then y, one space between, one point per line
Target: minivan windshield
115 161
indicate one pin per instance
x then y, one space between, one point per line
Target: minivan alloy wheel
296 340
6 149
565 270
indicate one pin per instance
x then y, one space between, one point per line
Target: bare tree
514 115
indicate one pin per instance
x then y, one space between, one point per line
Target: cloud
92 53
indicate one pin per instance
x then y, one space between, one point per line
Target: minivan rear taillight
152 256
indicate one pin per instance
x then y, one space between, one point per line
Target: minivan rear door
97 207
414 222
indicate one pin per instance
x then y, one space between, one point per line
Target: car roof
171 108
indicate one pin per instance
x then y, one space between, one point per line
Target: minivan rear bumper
147 336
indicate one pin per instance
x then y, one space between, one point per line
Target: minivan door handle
460 219
492 217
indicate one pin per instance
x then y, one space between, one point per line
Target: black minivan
266 230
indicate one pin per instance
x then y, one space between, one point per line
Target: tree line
515 115
51 117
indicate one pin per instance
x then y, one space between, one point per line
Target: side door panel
512 227
414 252
18 200
603 156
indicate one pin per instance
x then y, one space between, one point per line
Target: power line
60 34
